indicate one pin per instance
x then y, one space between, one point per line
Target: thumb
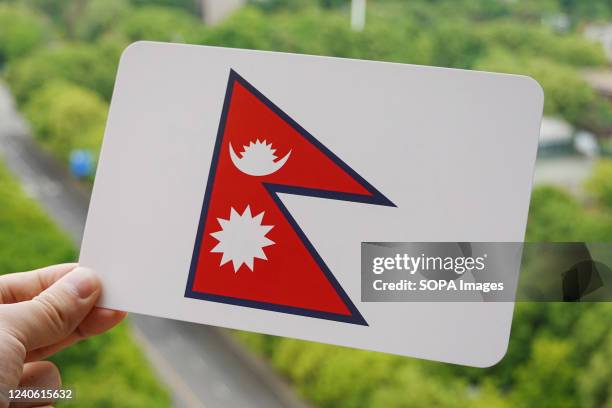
56 312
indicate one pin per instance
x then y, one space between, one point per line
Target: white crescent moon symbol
257 167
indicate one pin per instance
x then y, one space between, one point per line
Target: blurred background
57 68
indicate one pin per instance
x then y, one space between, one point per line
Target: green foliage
598 119
339 377
556 216
160 24
600 183
331 376
588 10
56 9
63 90
28 239
21 31
535 9
100 17
456 44
245 29
566 93
85 65
410 386
105 371
65 117
321 33
547 369
265 345
539 41
471 9
550 344
553 215
187 5
111 354
523 10
413 32
596 387
403 32
284 5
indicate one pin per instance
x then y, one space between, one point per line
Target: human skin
42 312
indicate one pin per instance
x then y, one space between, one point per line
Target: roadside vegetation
59 59
106 371
559 353
68 51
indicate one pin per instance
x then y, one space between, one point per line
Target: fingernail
83 280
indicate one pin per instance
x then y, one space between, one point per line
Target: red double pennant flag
249 251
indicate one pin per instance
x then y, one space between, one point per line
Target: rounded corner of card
495 356
133 50
532 87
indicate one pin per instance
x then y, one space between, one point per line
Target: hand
42 312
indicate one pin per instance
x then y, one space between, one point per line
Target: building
600 80
603 34
213 11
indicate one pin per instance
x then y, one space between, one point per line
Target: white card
235 188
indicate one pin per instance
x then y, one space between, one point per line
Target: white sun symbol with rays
258 159
242 238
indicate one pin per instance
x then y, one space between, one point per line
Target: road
569 172
200 364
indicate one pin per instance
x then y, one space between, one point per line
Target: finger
11 365
54 314
42 375
17 287
98 321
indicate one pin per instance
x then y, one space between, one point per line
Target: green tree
112 362
90 66
282 5
65 117
105 371
595 385
321 33
28 239
567 94
456 44
535 10
539 41
100 17
548 378
600 183
160 24
52 8
187 5
248 28
554 215
21 31
588 10
411 386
